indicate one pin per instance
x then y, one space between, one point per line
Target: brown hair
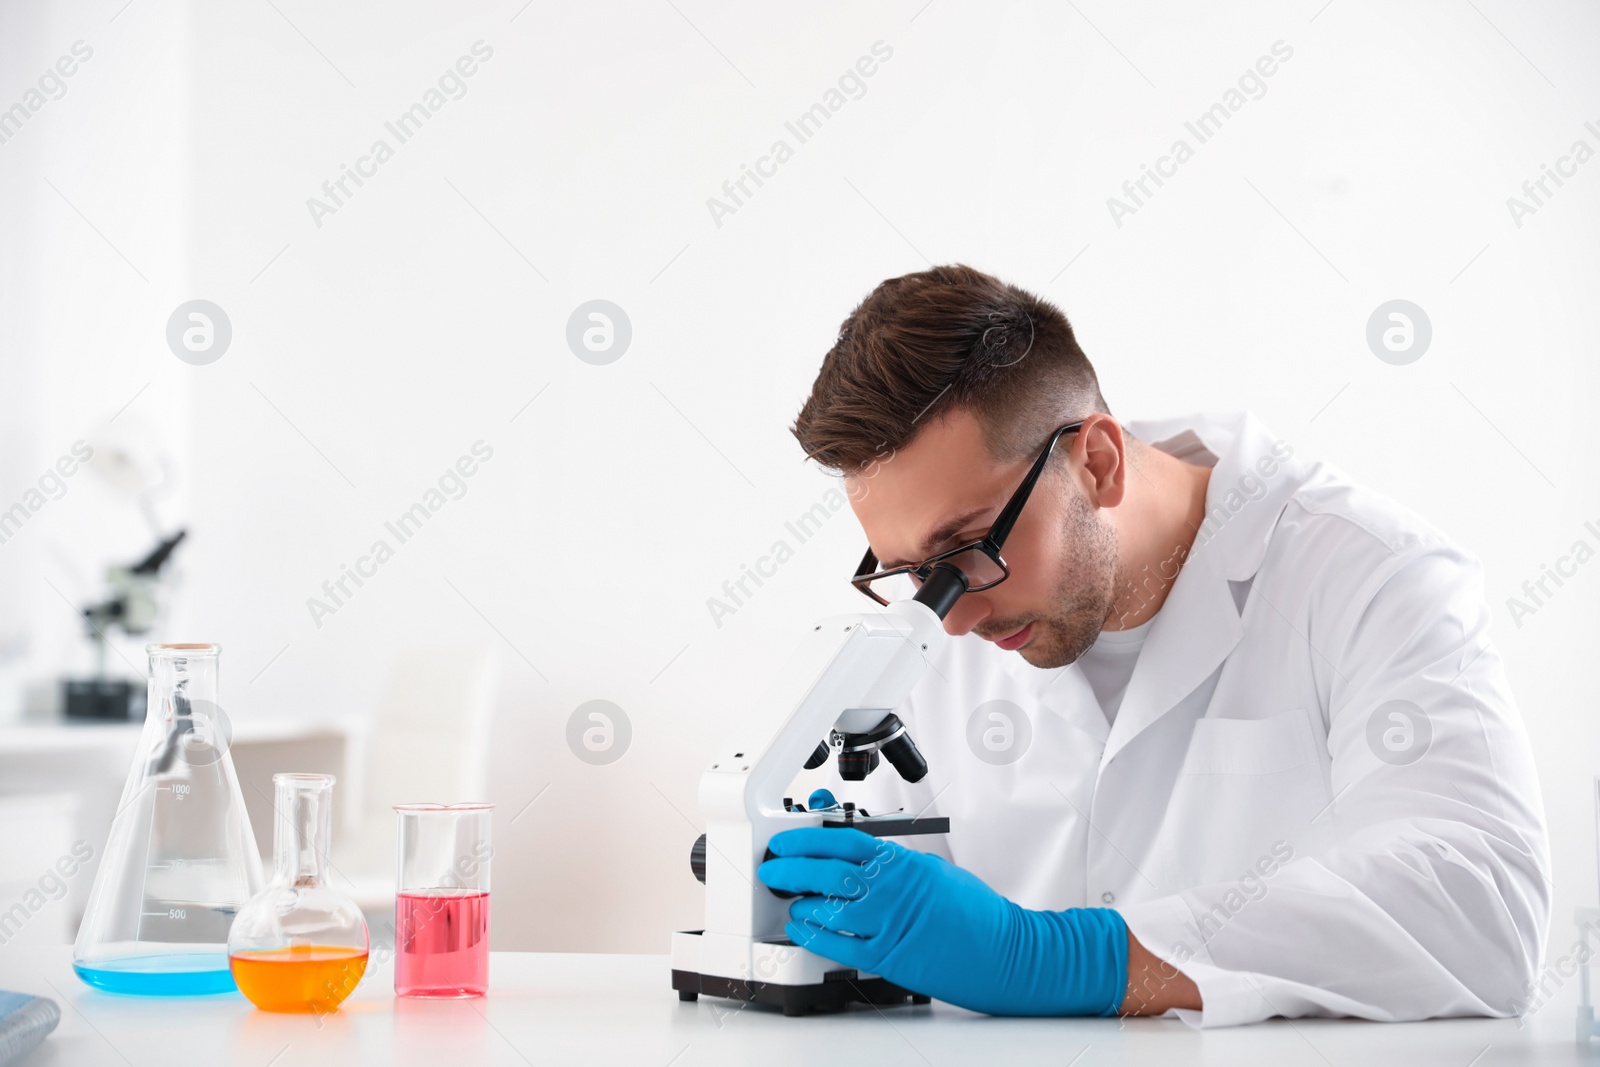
951 336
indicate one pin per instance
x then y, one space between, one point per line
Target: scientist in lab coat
1228 738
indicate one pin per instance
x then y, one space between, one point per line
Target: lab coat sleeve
1423 889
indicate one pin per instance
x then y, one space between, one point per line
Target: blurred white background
375 344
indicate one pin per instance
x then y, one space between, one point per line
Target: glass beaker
441 917
181 859
299 945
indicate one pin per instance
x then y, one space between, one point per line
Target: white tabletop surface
596 1009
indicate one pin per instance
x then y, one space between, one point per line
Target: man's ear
1103 450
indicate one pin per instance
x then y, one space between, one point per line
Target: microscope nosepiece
858 753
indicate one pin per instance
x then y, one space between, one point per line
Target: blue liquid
161 976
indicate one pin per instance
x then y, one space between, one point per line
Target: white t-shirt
1108 664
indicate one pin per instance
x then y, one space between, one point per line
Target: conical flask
181 860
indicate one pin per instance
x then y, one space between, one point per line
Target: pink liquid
441 944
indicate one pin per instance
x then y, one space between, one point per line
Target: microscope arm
849 672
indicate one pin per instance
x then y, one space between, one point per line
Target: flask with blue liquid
181 859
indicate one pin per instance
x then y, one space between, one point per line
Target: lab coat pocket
1244 784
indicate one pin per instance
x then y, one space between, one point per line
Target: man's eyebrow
945 531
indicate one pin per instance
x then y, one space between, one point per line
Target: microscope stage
887 825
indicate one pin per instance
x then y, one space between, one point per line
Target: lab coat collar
1198 624
1242 502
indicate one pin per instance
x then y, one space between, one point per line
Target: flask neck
183 679
304 804
184 727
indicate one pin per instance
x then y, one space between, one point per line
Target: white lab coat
1260 812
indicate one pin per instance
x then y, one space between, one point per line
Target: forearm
1154 985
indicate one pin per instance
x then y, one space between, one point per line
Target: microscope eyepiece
942 588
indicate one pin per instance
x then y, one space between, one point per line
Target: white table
594 1009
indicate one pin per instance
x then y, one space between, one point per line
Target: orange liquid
298 978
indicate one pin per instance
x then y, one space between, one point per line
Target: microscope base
796 981
830 996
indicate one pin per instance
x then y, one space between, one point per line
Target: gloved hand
820 799
933 928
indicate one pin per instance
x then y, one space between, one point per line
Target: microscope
843 683
131 608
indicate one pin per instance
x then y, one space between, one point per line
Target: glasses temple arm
1008 517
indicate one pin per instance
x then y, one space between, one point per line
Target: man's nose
969 611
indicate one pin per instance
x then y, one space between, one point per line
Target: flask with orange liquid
299 945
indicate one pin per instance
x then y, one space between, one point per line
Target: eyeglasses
979 560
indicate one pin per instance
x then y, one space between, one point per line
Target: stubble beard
1091 574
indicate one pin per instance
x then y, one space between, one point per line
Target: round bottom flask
299 945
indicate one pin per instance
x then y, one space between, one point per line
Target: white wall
92 251
372 351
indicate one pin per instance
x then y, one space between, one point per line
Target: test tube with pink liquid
442 905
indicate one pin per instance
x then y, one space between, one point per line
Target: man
1229 737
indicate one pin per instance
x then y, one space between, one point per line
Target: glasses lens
895 587
981 571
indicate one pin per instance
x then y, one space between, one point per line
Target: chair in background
428 743
269 747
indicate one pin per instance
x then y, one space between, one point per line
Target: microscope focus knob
697 858
697 864
784 893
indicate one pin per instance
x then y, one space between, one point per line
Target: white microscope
843 683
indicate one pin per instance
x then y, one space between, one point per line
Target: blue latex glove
933 928
820 799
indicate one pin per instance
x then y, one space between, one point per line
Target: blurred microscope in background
132 608
133 465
